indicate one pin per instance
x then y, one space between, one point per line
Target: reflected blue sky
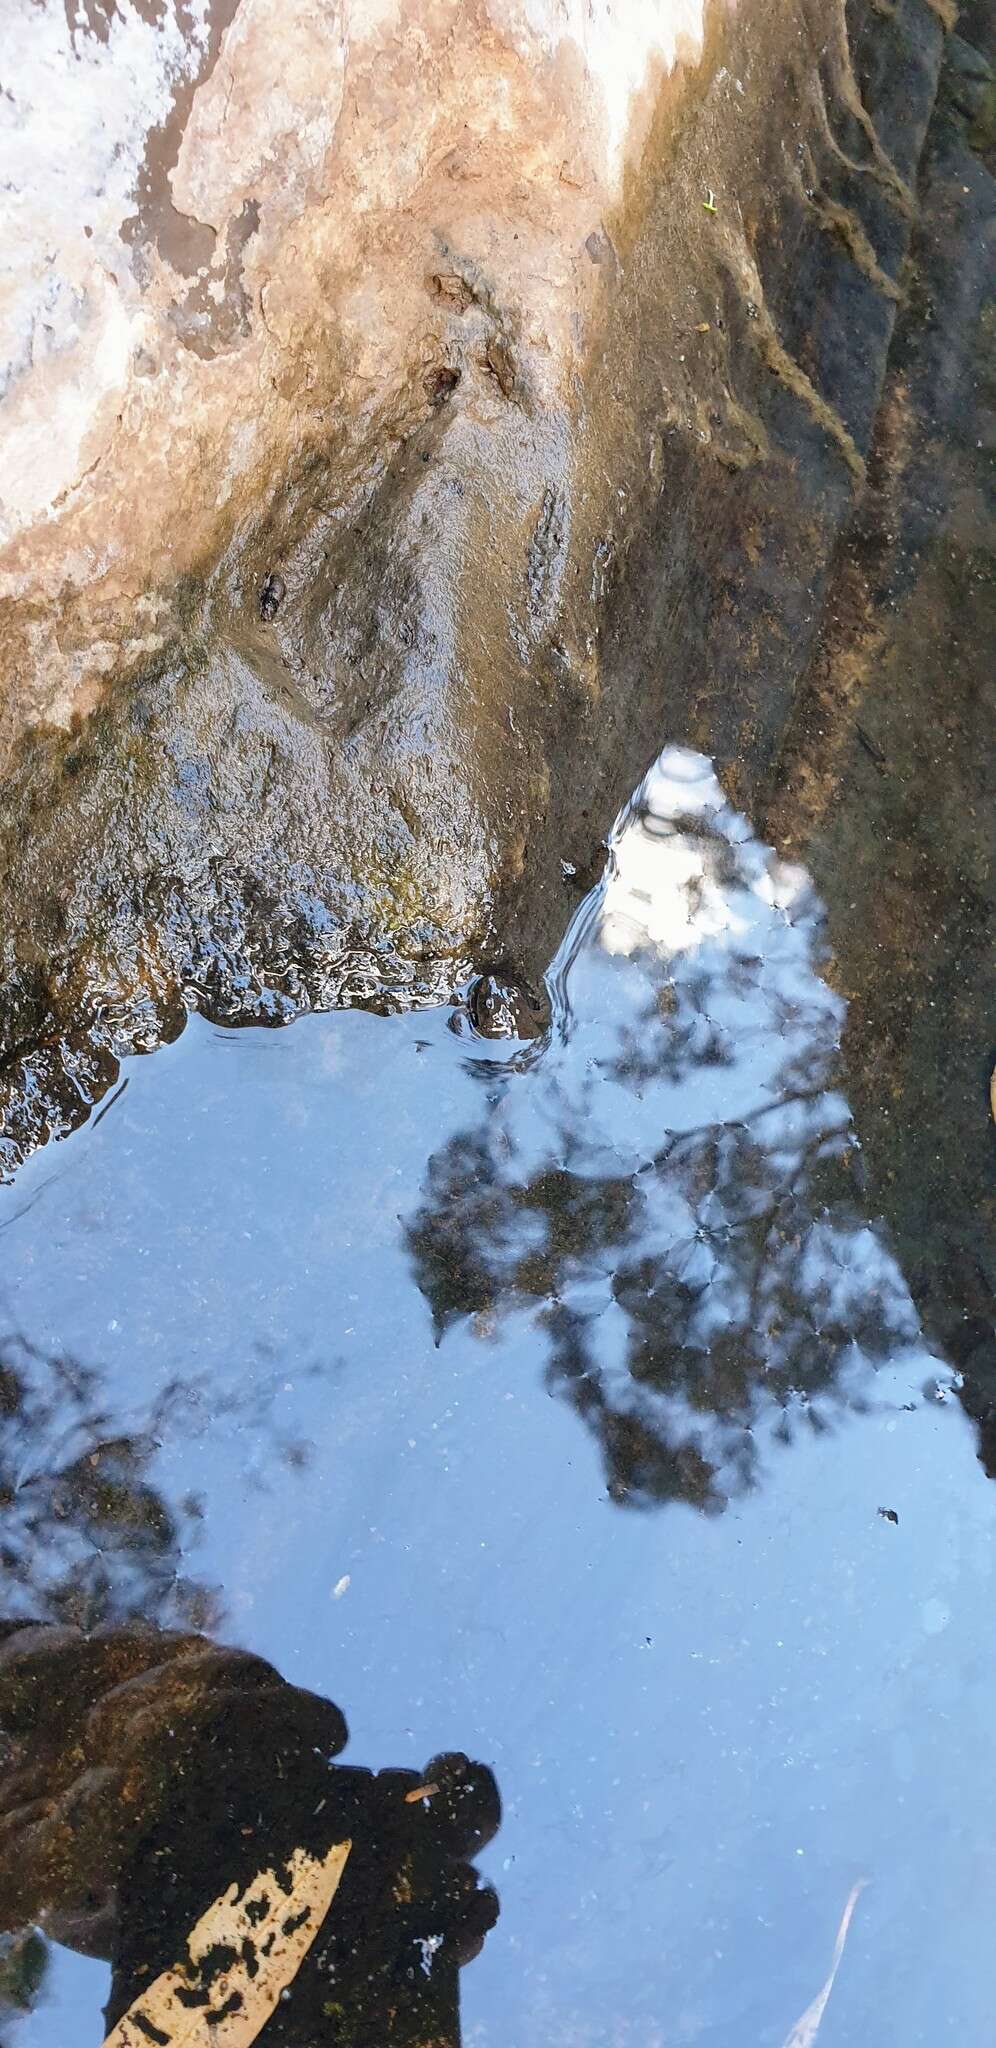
541 1402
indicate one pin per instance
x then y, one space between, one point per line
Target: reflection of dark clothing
407 1914
166 1783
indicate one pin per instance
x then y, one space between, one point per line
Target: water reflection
674 1181
223 1411
144 1772
87 1534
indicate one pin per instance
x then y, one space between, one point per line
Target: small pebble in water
499 1006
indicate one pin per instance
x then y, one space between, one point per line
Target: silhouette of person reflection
144 1772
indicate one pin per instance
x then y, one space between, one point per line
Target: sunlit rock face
237 231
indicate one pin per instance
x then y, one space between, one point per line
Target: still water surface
556 1402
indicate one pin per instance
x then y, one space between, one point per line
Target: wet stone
499 1006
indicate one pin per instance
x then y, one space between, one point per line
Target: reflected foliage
145 1771
687 1292
88 1535
24 1960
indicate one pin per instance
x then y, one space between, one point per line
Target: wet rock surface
888 773
390 727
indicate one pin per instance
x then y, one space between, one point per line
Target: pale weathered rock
245 232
